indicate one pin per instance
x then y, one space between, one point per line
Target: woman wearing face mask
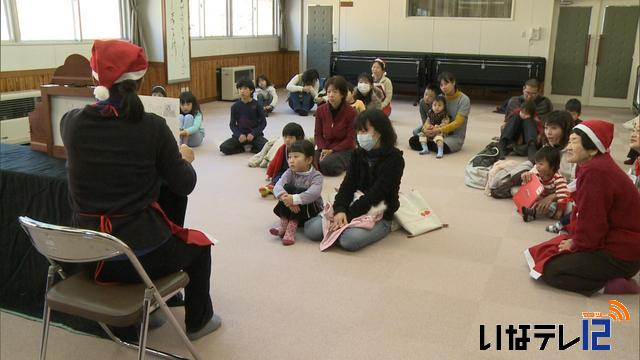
382 82
334 134
375 169
367 93
601 251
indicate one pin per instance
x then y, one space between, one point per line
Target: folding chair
116 305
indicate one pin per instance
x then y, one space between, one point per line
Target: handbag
476 172
415 215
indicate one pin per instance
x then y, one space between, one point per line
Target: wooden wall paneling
278 66
24 80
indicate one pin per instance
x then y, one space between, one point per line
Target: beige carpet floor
402 298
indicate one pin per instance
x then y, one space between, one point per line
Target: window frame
463 18
14 26
229 28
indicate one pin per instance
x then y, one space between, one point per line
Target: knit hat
599 131
114 61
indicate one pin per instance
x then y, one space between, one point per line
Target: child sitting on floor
191 130
291 133
436 117
265 94
298 191
553 200
247 122
430 92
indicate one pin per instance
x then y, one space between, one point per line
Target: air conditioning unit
229 76
14 110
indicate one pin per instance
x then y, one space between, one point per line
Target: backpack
477 170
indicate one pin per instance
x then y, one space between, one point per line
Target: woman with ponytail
118 157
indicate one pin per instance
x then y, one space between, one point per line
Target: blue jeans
351 239
186 121
300 101
264 100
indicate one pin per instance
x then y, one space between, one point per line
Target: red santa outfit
604 230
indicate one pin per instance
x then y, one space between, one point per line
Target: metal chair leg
46 314
177 326
144 326
148 350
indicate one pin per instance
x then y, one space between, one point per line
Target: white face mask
364 88
366 141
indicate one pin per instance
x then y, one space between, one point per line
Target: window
4 20
265 17
195 18
100 19
242 17
215 18
460 8
52 21
67 20
232 18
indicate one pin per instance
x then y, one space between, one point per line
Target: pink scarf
366 221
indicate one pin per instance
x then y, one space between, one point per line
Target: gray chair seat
114 304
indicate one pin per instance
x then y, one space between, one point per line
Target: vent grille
17 108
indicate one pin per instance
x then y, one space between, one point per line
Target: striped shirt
557 184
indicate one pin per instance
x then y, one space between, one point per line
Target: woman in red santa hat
634 143
601 251
118 156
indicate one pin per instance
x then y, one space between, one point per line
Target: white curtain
135 31
284 44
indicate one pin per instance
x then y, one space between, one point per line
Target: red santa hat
599 131
114 61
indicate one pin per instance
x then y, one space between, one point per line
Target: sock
440 153
425 149
621 286
279 231
212 325
265 190
555 228
289 237
528 214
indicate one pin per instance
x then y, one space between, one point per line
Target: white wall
383 25
227 46
39 56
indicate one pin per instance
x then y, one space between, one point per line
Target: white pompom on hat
114 61
599 131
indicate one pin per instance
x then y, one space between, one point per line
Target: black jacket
116 167
379 182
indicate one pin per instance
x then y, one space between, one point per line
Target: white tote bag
415 215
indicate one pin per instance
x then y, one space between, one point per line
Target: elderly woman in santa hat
634 143
115 175
601 251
